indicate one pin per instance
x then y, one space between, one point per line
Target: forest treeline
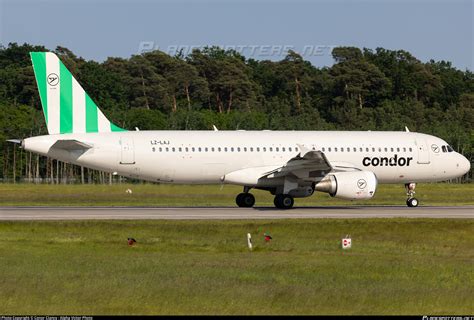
363 90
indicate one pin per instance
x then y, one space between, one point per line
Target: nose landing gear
411 201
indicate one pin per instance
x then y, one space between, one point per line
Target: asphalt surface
228 213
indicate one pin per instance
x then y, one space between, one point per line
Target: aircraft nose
464 165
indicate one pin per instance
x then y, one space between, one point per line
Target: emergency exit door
127 155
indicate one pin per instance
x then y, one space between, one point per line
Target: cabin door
423 151
127 155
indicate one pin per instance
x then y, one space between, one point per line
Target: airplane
288 164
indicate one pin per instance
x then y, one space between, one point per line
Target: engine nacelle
301 192
352 185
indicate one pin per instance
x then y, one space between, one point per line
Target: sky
259 29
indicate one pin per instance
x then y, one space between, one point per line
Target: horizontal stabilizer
71 145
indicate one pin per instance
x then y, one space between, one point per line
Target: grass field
395 266
210 195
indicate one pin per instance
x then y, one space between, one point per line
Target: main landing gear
283 201
411 201
247 200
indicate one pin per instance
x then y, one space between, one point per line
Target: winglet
406 129
215 128
303 150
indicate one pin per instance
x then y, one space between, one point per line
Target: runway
231 213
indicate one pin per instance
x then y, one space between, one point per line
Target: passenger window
296 149
380 149
206 149
172 149
180 150
385 149
361 149
355 149
373 149
410 149
277 149
366 149
218 149
238 149
324 149
348 149
329 149
289 149
199 149
264 149
160 149
225 149
398 149
271 149
251 149
283 149
404 149
335 149
258 149
391 149
212 149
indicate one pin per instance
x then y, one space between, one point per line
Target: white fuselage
208 156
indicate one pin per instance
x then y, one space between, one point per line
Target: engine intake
349 185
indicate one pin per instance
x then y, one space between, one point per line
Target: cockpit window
449 148
444 148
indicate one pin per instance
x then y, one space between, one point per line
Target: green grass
210 195
396 266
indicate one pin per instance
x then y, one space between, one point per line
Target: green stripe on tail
39 66
66 102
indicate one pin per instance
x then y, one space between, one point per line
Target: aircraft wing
309 164
71 145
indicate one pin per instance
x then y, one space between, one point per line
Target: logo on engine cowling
361 183
387 162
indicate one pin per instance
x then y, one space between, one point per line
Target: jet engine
349 185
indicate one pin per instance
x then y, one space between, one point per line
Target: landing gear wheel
412 202
245 200
283 201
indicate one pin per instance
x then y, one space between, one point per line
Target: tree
357 79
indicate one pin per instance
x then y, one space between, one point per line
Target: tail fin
67 107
